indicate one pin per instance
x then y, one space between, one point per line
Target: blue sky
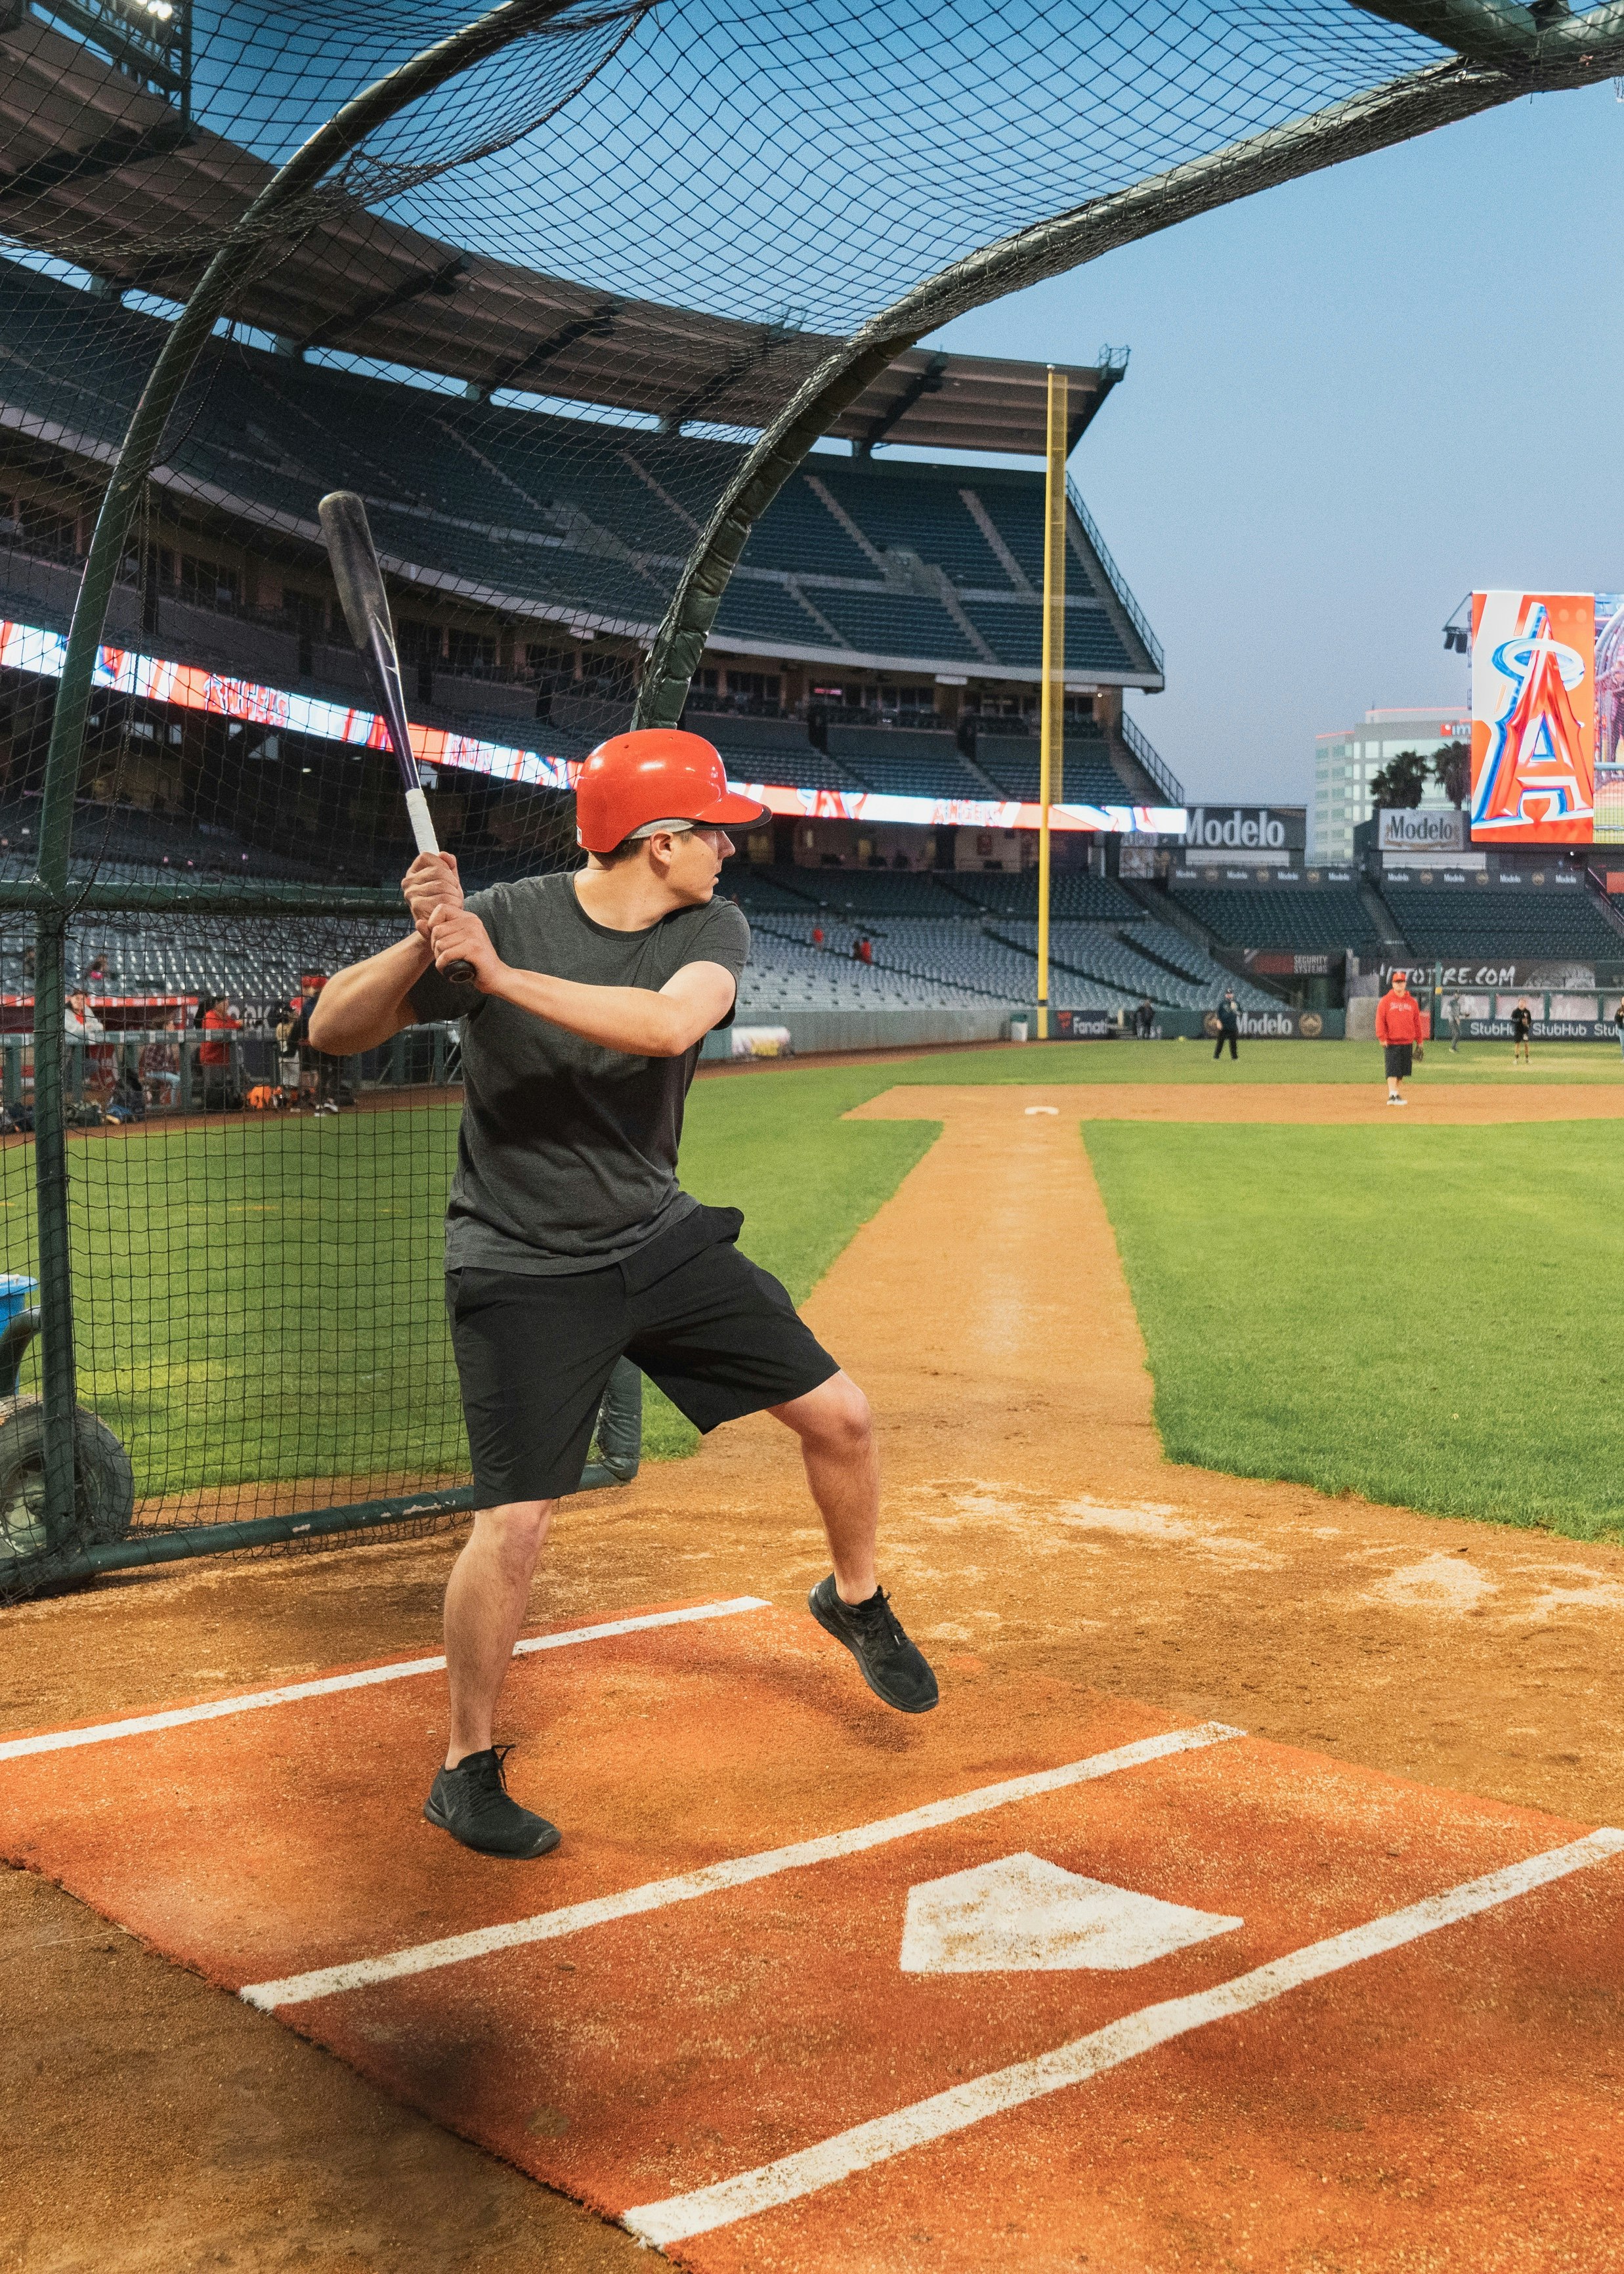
1349 401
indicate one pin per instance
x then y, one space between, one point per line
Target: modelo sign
1246 828
1272 1026
1412 829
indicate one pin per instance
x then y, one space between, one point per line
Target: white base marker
712 1879
56 1740
965 2105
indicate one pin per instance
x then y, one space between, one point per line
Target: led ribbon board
24 647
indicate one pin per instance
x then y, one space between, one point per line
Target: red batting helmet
657 774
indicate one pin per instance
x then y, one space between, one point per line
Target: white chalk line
814 2168
54 1740
712 1879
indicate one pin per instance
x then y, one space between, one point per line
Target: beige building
1345 763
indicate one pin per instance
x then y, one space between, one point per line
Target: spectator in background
1144 1018
219 1022
1618 1023
1522 1033
1457 1020
1398 1030
817 935
79 1022
1229 1024
319 1073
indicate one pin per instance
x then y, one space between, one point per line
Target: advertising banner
1277 1024
1420 832
24 647
1270 834
1533 765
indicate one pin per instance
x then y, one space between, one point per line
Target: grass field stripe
140 1725
962 2105
713 1878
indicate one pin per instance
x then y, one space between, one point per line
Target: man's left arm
635 1019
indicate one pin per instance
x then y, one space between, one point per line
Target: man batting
568 1239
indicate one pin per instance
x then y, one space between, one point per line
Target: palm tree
1452 771
1400 781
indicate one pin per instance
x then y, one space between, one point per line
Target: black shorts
1400 1059
534 1353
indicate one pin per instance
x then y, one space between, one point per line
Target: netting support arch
1504 51
49 895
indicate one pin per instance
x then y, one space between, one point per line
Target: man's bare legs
485 1597
489 1582
843 1474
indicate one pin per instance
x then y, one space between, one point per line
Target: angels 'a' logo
1535 770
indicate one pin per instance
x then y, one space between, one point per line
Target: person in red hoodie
1398 1028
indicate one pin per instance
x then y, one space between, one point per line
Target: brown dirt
1032 1529
1261 1101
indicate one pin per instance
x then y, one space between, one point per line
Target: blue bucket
15 1289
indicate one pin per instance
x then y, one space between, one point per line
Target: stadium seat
1451 921
1304 917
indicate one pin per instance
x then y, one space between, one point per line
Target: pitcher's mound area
1044 1978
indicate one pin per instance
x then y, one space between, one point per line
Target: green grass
262 1299
1426 1316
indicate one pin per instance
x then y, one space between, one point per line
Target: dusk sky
1349 401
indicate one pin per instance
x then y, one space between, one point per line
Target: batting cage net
566 294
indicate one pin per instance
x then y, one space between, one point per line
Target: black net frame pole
51 896
1581 51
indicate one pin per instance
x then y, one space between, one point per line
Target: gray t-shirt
566 1159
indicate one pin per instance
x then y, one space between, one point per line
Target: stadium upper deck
513 513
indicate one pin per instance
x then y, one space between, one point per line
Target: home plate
1022 1915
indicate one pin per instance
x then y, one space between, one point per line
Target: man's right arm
365 1006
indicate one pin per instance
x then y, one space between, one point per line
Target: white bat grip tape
421 827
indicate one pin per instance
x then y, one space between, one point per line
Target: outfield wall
940 1025
874 1030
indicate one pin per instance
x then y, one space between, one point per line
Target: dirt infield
1034 1537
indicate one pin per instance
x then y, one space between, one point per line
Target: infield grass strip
1424 1316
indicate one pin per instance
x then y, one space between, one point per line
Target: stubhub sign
1246 828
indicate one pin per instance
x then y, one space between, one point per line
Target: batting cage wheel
104 1499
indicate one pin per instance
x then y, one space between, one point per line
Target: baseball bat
359 579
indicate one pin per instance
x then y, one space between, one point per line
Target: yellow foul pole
1051 748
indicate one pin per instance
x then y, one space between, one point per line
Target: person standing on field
1522 1033
1229 1024
569 1242
1618 1023
1398 1030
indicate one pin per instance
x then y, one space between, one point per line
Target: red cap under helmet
657 773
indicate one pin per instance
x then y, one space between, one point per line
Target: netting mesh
537 320
533 319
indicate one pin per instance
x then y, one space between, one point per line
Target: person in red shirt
214 1052
1398 1028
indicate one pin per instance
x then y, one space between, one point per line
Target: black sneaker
471 1803
890 1665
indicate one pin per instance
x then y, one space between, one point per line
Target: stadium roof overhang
102 170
